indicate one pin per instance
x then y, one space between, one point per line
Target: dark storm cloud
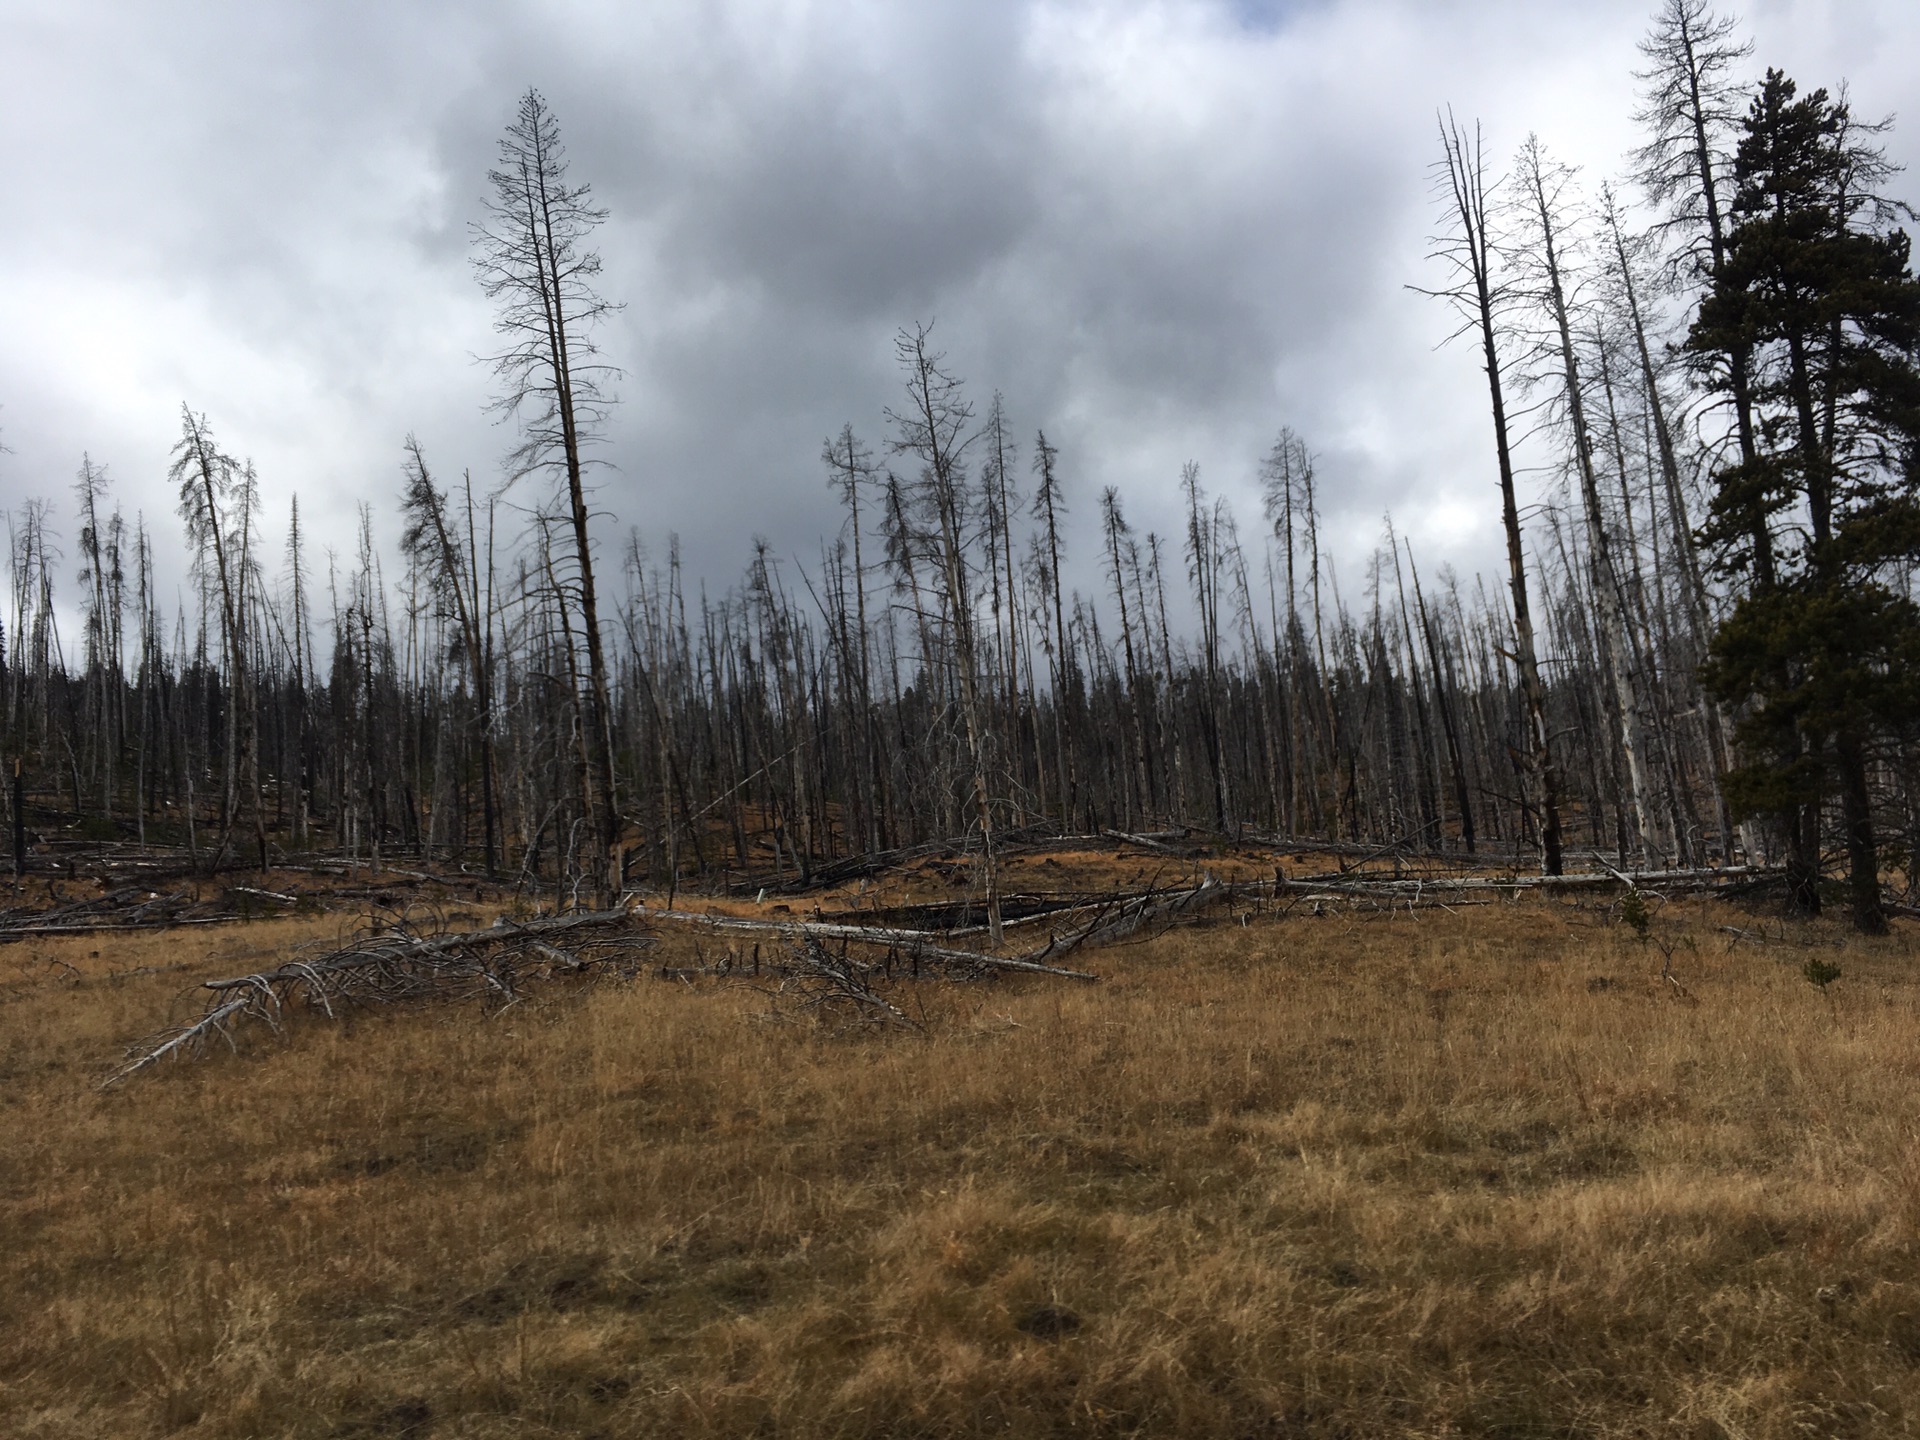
1162 230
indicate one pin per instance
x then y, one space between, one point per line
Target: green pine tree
1824 656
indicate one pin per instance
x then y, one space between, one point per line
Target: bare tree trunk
1471 251
1540 182
935 432
533 263
1048 508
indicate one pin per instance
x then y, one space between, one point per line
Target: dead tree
1049 509
436 544
532 260
1541 186
934 428
1478 296
217 493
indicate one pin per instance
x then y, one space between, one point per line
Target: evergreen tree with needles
1824 652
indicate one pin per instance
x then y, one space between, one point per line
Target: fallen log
1168 842
214 1022
1118 917
1393 902
1486 853
1148 908
386 950
397 968
1038 917
923 943
854 867
1708 879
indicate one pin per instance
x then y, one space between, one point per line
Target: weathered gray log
393 968
924 943
28 932
1382 885
1135 912
1164 843
1139 911
405 948
213 1022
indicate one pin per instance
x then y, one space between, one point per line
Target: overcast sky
1162 230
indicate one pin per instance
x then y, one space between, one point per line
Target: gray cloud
1162 230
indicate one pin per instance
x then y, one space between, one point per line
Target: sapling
1820 974
1633 910
1638 915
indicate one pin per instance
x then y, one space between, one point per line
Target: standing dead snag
1541 185
851 470
934 429
455 572
1049 508
1477 296
533 262
217 500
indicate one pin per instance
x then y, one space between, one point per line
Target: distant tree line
1707 646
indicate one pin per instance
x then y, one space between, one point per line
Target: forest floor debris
408 949
495 967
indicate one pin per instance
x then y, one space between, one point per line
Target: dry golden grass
1476 1173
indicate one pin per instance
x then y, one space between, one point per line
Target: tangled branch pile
836 987
397 967
816 970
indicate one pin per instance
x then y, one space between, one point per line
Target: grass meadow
1472 1172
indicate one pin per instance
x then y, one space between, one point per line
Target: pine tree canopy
1817 295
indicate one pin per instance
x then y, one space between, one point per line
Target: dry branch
398 967
823 981
1132 913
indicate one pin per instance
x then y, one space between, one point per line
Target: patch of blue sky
1267 16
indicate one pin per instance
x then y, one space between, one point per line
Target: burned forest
1071 939
1699 653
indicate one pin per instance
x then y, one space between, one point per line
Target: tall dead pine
532 261
1478 297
